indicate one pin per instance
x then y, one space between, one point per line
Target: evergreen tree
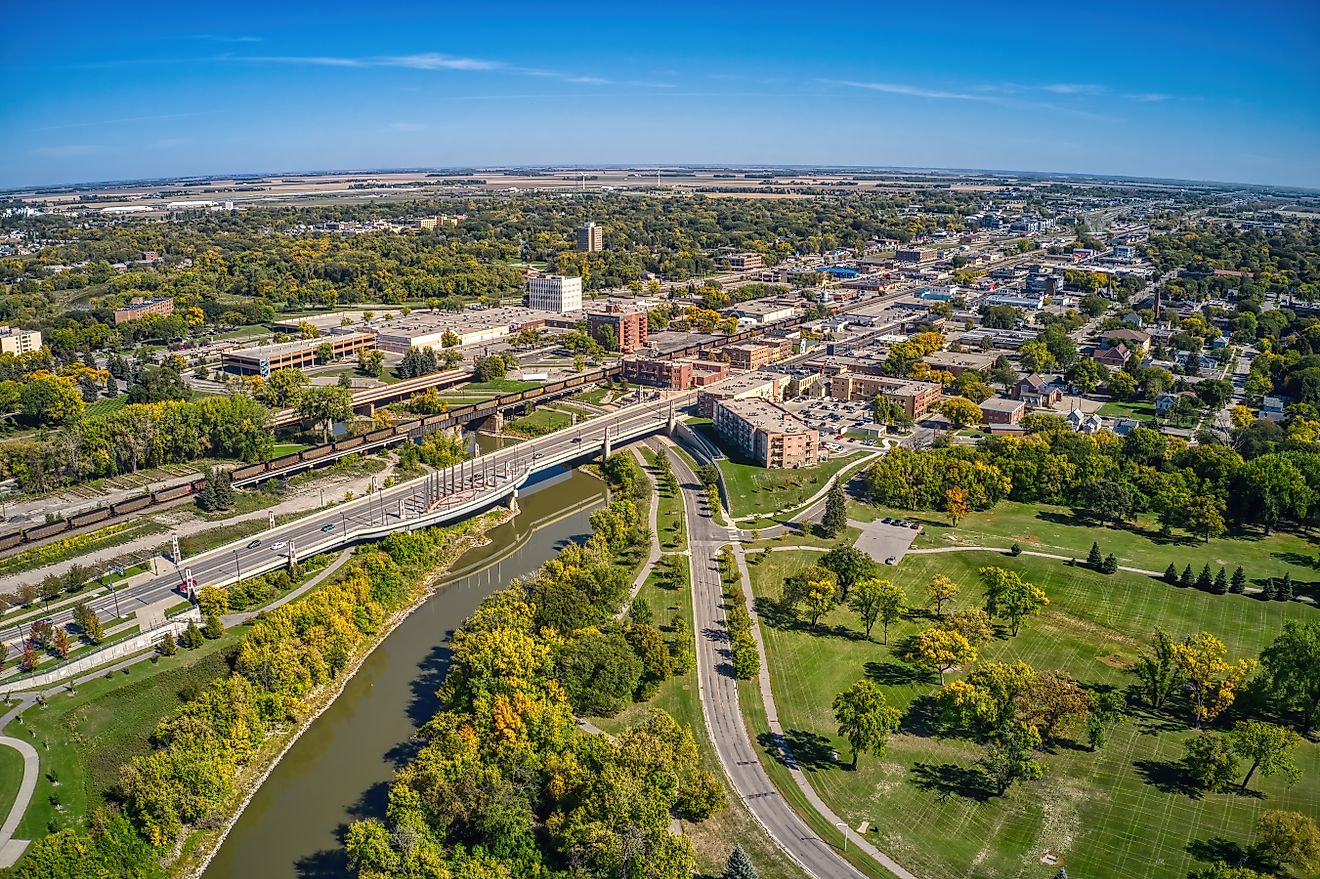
191 637
1109 565
167 647
1205 580
640 612
213 628
1267 589
1238 584
739 865
835 520
111 387
1186 579
1285 592
1093 558
1171 575
1221 582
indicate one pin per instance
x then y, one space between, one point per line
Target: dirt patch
1113 660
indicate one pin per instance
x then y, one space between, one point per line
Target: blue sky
1210 90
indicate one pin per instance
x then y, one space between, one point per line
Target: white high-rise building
555 293
16 341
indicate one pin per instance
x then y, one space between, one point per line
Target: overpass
370 398
439 498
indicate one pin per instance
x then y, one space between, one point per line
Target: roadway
437 498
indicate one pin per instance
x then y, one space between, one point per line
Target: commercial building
916 257
139 308
754 355
626 325
766 434
765 312
473 327
675 375
590 238
752 385
16 341
915 397
262 360
745 261
1000 410
555 293
958 362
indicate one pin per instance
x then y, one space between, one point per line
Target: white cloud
436 61
1072 88
909 90
429 61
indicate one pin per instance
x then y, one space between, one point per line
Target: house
1114 357
1001 410
1165 402
1135 340
1036 392
1271 408
1133 320
1084 423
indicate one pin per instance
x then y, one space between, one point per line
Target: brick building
675 375
766 434
915 397
629 328
139 308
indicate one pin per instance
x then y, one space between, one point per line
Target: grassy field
540 422
755 490
594 396
280 449
11 774
1137 544
1139 410
1119 812
105 407
86 736
501 386
669 517
713 838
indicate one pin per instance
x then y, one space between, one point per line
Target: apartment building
139 308
262 360
590 238
555 293
16 341
674 375
766 434
628 326
760 385
915 397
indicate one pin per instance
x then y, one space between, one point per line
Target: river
340 768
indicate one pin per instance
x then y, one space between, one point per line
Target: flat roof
1002 404
259 352
764 415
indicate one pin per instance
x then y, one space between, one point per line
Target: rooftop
764 415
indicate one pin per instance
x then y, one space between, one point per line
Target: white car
278 545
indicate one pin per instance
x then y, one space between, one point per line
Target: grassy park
756 490
1122 811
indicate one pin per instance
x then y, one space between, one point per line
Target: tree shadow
950 779
331 863
923 719
1168 777
424 703
897 674
1218 849
1297 559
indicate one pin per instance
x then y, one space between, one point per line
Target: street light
114 595
843 828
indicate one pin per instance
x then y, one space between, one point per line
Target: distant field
105 407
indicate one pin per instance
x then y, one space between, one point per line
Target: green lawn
1138 544
11 774
1119 812
85 737
502 386
540 422
669 520
281 449
755 490
106 406
594 396
1139 410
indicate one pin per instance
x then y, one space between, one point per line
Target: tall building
628 326
765 433
555 293
590 237
15 341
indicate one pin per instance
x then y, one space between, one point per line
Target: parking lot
888 541
834 418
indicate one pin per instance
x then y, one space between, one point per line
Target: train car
238 474
342 445
40 532
169 494
280 463
532 393
377 436
89 517
11 540
317 452
131 504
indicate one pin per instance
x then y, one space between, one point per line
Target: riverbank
196 849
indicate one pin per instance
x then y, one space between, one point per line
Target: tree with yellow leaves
939 650
1214 681
955 504
941 590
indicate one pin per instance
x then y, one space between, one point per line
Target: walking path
653 524
719 698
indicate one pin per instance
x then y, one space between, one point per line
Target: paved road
719 697
455 486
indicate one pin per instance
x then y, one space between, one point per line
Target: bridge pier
512 501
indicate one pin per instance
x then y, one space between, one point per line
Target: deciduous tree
865 718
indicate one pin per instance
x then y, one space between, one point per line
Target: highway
445 496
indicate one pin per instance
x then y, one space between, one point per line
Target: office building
674 375
766 434
1001 410
139 308
917 256
619 328
746 261
16 341
555 293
